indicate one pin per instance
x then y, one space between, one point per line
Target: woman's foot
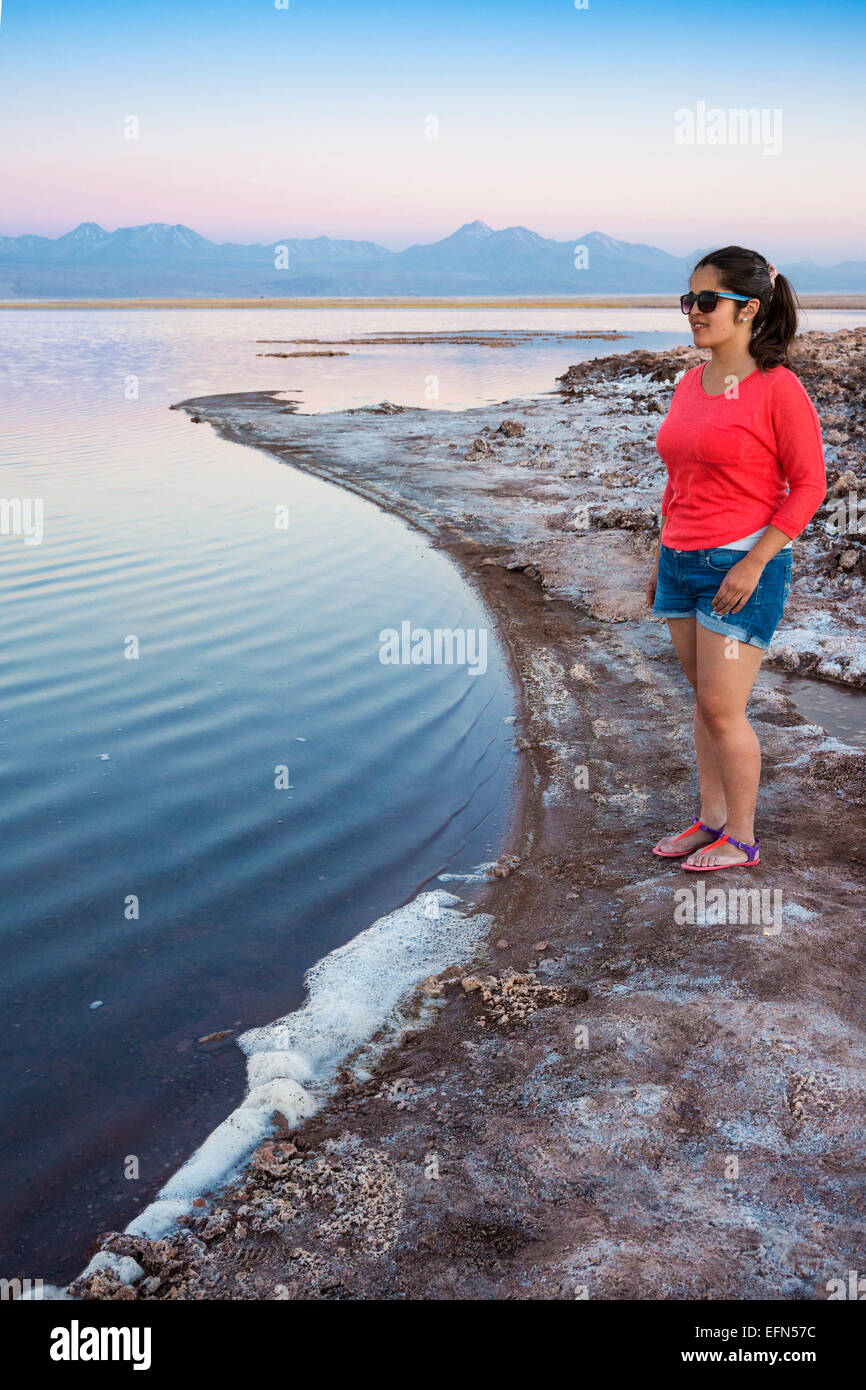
698 834
724 853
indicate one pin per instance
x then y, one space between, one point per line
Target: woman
742 446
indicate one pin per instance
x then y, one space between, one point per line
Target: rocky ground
645 1088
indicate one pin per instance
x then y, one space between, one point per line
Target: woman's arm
800 452
772 541
742 578
667 498
652 582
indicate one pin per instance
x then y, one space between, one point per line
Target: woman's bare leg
725 675
684 637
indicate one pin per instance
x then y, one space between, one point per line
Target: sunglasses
707 300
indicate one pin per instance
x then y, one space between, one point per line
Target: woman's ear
749 310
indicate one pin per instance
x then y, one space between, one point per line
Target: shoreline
561 1166
600 301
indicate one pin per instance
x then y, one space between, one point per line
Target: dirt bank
640 1092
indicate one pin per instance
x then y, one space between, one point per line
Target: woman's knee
717 711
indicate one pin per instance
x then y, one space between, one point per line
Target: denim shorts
688 581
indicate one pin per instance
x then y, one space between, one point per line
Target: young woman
742 446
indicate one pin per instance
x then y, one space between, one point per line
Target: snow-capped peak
86 231
476 229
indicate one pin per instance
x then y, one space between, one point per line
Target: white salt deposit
128 1270
481 873
351 995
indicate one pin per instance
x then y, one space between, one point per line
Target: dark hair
775 323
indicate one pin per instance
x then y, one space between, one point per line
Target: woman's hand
737 586
652 585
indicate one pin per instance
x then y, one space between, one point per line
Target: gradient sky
259 123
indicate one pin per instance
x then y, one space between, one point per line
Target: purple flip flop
678 853
751 850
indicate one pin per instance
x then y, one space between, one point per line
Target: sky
397 122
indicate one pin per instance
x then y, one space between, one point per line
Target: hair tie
772 272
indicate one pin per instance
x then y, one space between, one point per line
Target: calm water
153 777
839 710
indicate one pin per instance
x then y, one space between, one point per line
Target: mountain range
160 260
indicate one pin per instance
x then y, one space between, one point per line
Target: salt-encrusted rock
480 449
789 658
846 482
431 987
275 1159
505 865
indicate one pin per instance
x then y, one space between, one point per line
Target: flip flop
678 853
750 850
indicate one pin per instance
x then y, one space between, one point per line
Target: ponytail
774 331
775 323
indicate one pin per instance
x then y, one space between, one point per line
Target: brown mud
514 338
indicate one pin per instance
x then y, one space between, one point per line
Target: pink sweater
731 462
